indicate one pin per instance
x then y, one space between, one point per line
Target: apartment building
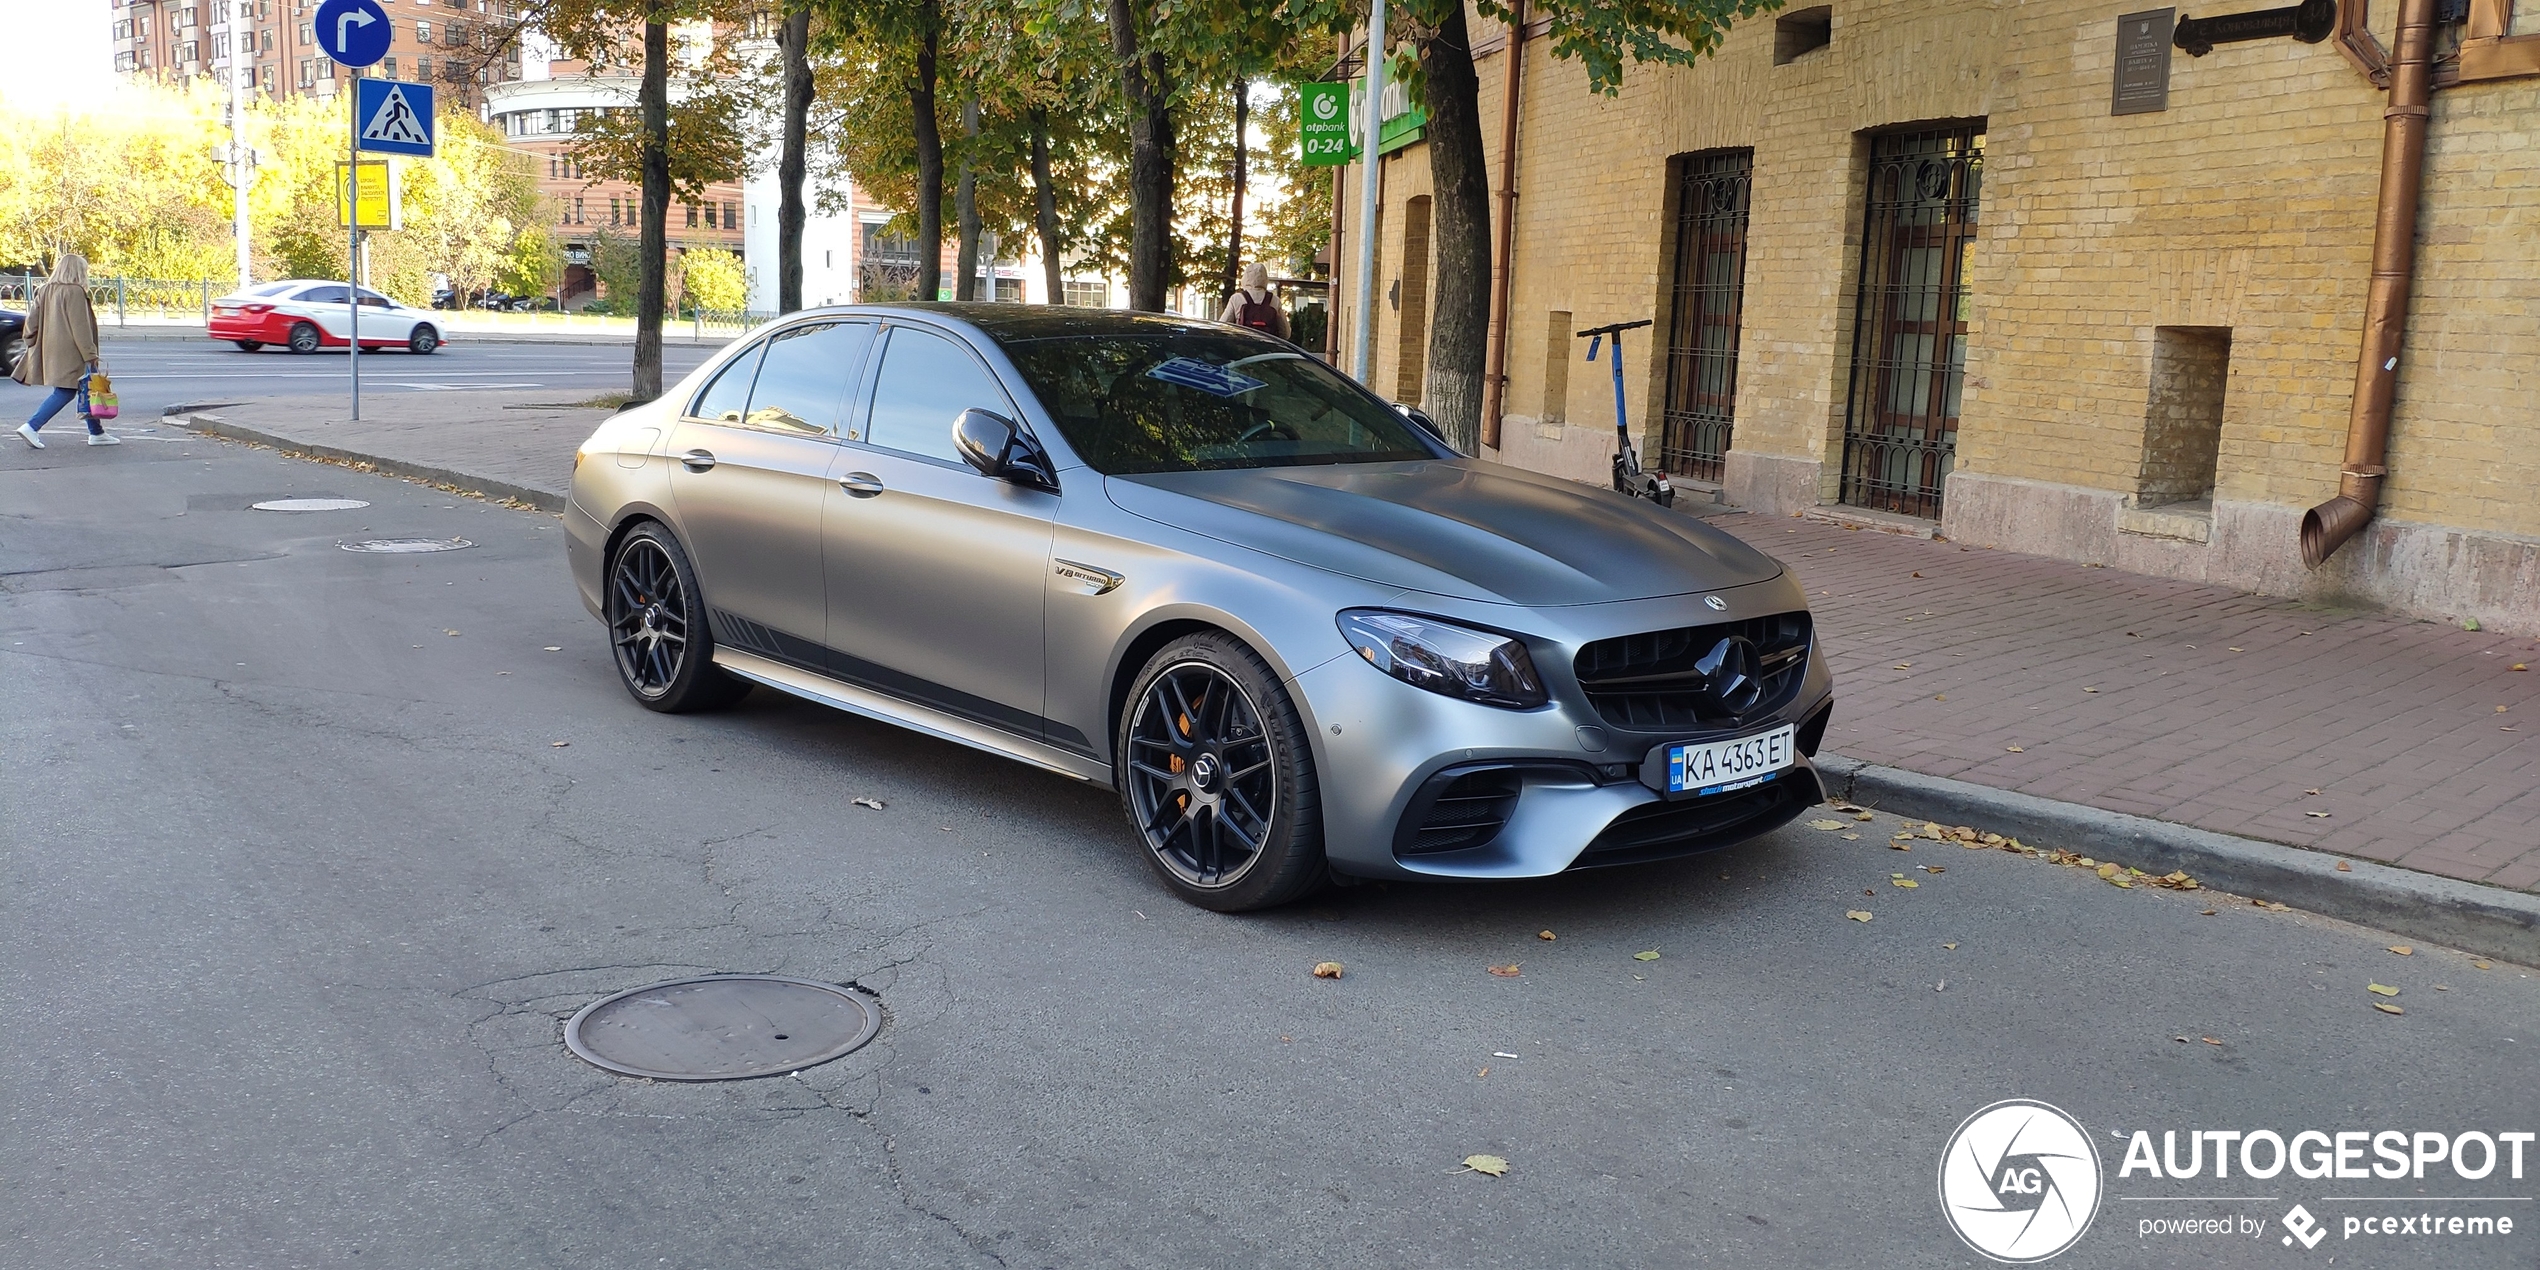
459 46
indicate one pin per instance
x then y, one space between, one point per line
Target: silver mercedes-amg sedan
1296 632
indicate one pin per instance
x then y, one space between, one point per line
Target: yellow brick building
1908 264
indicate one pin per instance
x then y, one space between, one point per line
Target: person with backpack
61 348
1252 305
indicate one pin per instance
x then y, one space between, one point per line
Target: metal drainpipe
1495 369
2394 248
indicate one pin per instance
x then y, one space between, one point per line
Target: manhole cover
722 1027
405 546
308 504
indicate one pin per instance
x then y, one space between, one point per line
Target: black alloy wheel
1217 779
304 337
657 629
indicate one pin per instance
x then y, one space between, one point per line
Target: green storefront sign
1323 125
1325 138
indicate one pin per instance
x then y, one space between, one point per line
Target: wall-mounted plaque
2143 63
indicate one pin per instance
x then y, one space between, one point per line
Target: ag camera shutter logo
2020 1181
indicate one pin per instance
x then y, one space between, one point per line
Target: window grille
1712 195
1909 336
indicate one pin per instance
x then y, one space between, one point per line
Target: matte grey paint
948 608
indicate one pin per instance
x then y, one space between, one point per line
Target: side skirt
934 723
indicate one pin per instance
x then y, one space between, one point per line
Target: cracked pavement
297 891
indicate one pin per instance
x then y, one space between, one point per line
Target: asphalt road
297 885
150 375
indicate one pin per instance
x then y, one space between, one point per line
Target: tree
1599 33
716 279
793 44
1146 83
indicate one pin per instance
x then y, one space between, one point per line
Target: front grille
1469 810
1654 682
1659 831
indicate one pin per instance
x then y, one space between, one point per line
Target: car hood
1462 528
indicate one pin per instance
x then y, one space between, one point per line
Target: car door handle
697 460
860 484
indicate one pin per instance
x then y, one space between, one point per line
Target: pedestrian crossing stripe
395 121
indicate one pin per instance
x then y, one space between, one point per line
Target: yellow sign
379 199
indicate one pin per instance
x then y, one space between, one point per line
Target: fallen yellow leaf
1825 824
2387 1008
2478 965
1650 955
2403 950
1508 971
1851 837
1949 945
2209 1040
1907 883
1901 844
1487 1164
1862 815
2381 989
2105 870
2013 749
1327 970
1546 935
1858 914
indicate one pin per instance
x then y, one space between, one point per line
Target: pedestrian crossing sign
392 117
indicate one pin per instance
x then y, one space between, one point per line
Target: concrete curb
214 425
2465 915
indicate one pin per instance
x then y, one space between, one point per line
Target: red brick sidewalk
2356 733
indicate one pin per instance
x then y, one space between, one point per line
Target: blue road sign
392 118
353 32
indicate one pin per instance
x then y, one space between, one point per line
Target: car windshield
1191 400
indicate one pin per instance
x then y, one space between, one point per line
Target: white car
305 315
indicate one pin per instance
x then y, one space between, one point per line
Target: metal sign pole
1361 361
353 238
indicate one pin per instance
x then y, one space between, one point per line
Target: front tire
423 341
1217 778
304 337
658 633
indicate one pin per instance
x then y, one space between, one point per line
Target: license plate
1717 767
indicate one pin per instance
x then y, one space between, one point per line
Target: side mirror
1421 419
999 449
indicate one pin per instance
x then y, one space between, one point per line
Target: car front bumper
1570 782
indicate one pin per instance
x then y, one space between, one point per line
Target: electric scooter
1628 476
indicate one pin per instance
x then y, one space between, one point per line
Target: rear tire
658 634
423 340
1217 777
304 337
249 345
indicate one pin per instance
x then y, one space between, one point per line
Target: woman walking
1252 305
61 348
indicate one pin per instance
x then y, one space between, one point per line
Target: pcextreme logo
2020 1181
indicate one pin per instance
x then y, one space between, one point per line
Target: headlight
1453 660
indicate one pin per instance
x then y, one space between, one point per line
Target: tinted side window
803 381
728 397
323 295
925 384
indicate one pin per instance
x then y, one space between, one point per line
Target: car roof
1008 323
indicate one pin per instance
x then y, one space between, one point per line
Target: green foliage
533 265
716 279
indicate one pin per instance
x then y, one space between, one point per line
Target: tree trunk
1459 316
1235 211
966 208
930 163
1142 80
793 41
1045 209
653 247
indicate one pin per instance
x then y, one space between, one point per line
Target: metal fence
707 322
118 300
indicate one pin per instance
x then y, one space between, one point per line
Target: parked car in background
305 315
12 339
1293 630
